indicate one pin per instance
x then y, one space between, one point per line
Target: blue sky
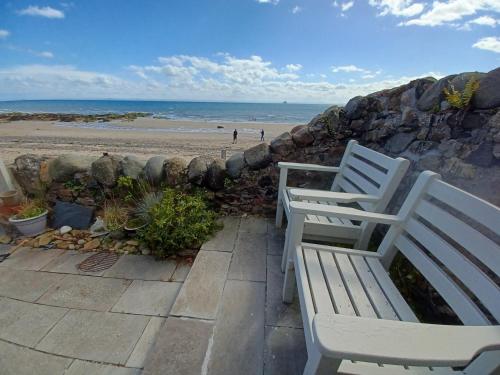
319 51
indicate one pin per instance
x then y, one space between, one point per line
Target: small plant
75 186
115 216
31 208
461 100
179 221
146 204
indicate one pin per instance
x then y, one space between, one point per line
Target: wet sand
143 137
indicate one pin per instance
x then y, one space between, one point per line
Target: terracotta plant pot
10 198
31 226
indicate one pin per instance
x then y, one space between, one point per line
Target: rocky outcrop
216 175
29 171
175 171
258 157
235 164
198 168
488 94
283 144
64 167
153 170
131 166
105 170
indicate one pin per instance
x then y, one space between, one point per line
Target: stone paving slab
4 249
148 298
140 267
253 224
275 243
277 312
26 323
224 240
85 292
144 345
26 285
27 258
67 263
249 259
239 333
89 368
285 352
181 271
180 348
17 360
201 292
96 336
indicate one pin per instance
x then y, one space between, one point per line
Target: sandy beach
143 137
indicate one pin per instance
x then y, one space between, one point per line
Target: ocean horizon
286 113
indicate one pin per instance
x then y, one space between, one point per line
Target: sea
286 113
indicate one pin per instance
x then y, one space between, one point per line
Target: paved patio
222 316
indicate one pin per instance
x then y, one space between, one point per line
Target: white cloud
348 69
274 2
449 12
399 8
490 43
47 12
484 21
296 9
293 67
46 54
4 34
346 6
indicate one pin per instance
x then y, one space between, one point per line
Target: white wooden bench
364 176
355 319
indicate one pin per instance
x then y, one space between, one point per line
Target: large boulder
64 167
131 166
282 144
399 142
174 171
303 137
258 157
198 168
216 174
461 79
27 172
355 107
433 96
235 164
153 170
105 170
488 94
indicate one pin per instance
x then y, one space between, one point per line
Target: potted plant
31 219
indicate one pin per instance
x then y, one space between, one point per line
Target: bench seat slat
468 273
377 297
466 310
363 368
319 291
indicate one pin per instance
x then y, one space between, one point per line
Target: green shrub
31 208
179 221
461 100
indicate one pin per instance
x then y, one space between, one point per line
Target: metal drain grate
98 262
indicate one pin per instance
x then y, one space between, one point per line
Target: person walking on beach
262 135
235 136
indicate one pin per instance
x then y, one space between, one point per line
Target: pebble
81 242
65 229
71 247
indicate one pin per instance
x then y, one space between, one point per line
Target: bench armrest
331 196
401 343
308 167
342 212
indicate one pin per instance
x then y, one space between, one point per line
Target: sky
305 51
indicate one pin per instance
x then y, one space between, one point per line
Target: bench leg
289 285
279 213
319 365
284 257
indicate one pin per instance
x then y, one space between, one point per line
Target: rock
216 174
482 156
461 79
430 161
433 96
145 251
132 243
81 242
472 121
27 172
303 137
409 117
235 164
65 229
4 239
92 245
98 226
399 142
71 246
282 144
153 170
355 107
409 98
131 166
198 168
45 239
496 151
258 157
175 171
63 168
105 170
455 167
71 214
295 129
488 94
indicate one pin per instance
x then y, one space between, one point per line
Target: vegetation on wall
461 100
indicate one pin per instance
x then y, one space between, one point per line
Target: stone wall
412 121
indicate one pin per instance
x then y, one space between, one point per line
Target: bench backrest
369 172
453 239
